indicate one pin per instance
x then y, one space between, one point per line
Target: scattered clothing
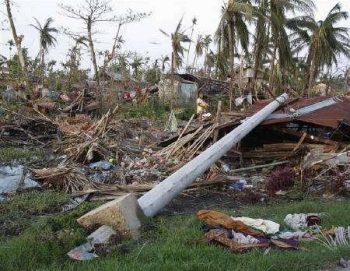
244 239
215 218
266 226
298 235
300 222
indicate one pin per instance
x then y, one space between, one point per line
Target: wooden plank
258 167
310 137
300 142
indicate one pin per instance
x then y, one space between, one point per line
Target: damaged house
187 87
319 123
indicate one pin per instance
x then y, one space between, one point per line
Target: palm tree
207 41
10 44
74 54
194 23
47 40
164 60
136 64
277 11
325 41
233 29
261 37
199 50
177 39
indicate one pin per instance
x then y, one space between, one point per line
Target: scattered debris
14 178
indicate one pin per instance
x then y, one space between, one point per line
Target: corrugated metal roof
328 116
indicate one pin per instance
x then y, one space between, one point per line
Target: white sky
138 36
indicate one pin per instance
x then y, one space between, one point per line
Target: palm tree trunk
205 61
195 62
92 51
311 78
42 66
172 80
18 40
232 68
189 47
272 68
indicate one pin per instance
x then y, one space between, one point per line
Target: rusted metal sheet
328 112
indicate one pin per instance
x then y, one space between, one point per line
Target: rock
124 215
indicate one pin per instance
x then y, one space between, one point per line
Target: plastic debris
300 222
84 252
101 165
13 178
74 203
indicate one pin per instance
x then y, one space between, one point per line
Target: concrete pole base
124 215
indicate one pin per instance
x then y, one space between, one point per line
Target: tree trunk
272 69
232 63
312 75
92 51
189 47
18 40
172 80
42 66
108 58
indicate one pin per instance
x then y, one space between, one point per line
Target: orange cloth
215 218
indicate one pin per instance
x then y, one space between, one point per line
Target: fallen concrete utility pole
153 201
126 213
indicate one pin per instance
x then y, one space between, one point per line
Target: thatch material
68 178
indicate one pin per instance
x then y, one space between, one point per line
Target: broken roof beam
153 201
310 137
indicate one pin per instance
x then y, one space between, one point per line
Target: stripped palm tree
324 39
233 30
194 23
47 40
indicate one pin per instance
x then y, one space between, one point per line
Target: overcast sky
138 36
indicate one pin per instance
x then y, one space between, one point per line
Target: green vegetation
154 110
31 239
9 154
44 240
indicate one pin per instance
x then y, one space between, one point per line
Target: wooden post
218 121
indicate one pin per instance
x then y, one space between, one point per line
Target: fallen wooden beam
300 142
309 137
258 167
291 147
